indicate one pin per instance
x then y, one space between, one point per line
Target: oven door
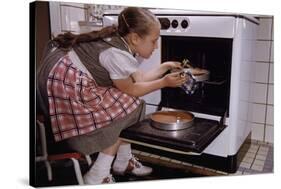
186 141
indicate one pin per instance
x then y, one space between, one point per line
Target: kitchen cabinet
65 17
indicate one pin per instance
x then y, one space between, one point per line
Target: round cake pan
172 120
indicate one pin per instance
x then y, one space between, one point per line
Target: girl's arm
156 73
140 88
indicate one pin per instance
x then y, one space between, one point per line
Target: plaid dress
77 105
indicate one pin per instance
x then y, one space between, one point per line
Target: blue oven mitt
190 85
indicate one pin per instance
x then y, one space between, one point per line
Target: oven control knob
184 24
175 23
165 23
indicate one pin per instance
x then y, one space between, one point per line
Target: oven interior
213 54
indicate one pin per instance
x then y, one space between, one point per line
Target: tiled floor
254 157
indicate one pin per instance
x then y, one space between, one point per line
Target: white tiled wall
263 84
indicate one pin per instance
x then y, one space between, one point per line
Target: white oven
222 43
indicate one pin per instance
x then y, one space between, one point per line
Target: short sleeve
120 64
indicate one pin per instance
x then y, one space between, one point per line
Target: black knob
175 23
184 24
165 23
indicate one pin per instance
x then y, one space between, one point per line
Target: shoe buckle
135 162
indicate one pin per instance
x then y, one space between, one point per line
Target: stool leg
77 171
49 170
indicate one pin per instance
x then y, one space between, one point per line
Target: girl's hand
175 79
172 65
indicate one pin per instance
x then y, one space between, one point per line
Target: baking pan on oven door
172 120
192 139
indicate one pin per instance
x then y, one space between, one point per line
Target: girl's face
145 45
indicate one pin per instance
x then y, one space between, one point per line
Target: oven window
213 54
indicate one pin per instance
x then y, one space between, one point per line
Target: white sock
102 165
124 152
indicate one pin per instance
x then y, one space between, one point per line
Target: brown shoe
108 179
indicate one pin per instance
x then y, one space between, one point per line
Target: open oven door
191 140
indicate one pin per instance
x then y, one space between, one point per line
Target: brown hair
67 40
138 20
131 19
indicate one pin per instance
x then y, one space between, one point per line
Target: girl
89 84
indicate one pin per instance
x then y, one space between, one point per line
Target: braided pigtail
67 40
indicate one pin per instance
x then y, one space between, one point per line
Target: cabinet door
65 17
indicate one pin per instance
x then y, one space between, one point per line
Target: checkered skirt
77 105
